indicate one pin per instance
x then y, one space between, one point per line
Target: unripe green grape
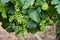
45 6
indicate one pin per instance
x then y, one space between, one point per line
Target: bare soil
50 34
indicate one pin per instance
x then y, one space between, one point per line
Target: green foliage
27 3
55 2
58 26
31 24
29 15
34 15
3 2
58 8
45 6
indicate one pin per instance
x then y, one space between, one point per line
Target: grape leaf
11 10
55 2
24 11
58 27
34 15
27 3
38 10
58 8
38 2
31 24
4 1
26 6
